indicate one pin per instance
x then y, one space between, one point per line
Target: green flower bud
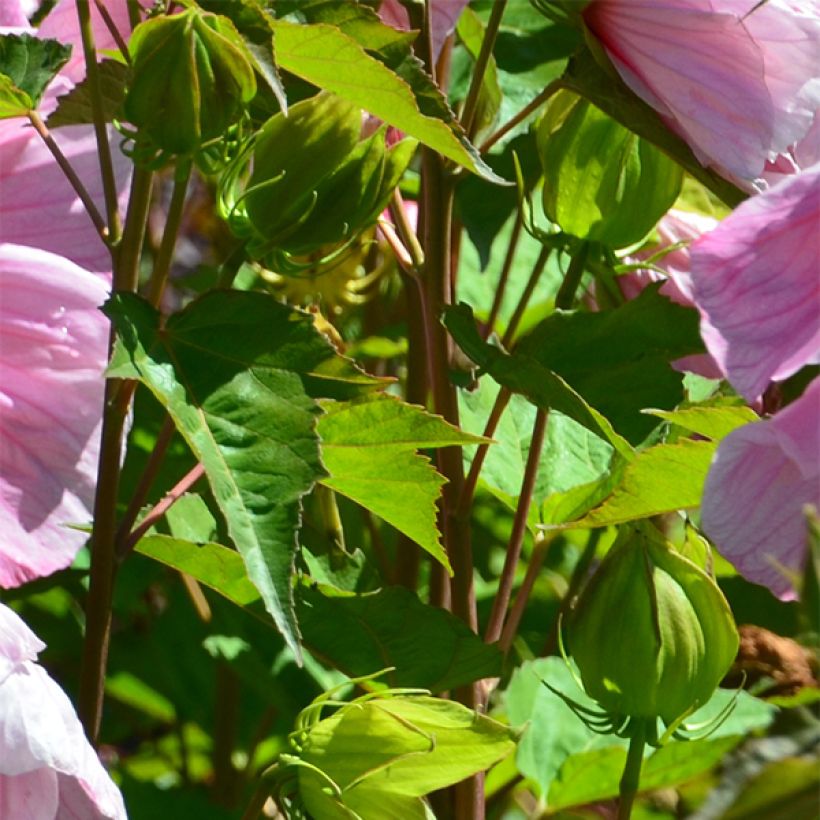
191 80
602 182
314 182
652 634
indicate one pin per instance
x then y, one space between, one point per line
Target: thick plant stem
67 169
165 254
133 232
103 560
98 114
490 35
631 777
522 511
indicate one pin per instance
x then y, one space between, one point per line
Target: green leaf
361 633
601 181
369 449
190 519
74 108
714 423
618 360
27 65
661 479
238 373
784 790
325 56
523 374
585 77
571 455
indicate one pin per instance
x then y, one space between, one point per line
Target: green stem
631 777
502 598
129 252
112 28
70 174
566 293
165 254
521 307
98 114
501 287
484 55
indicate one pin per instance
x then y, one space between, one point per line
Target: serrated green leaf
661 479
74 108
327 57
238 373
523 374
369 449
27 65
714 423
360 633
618 360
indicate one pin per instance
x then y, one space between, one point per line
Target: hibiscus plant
409 408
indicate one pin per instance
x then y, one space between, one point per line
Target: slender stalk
631 777
115 33
534 564
465 501
103 561
133 232
566 293
501 287
70 174
161 507
483 59
257 802
521 307
197 596
165 255
98 114
534 105
405 230
147 479
522 511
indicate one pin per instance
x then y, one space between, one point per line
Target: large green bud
192 80
315 183
652 634
602 182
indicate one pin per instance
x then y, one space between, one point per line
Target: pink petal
13 15
53 346
18 643
762 476
49 214
756 284
713 75
445 16
44 752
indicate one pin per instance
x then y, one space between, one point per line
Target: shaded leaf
27 65
369 449
237 372
74 108
359 634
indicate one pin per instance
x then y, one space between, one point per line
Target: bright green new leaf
359 633
712 422
601 181
27 65
327 57
238 373
523 374
369 449
662 479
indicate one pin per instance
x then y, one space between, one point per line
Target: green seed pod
602 182
191 80
652 634
314 183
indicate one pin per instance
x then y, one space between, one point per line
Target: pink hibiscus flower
741 86
47 767
762 476
756 281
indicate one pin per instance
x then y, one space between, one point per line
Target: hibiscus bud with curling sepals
192 80
652 634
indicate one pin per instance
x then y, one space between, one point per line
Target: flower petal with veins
761 477
53 349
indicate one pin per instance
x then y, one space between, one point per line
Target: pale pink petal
762 476
18 643
757 284
43 747
445 16
53 345
38 206
13 15
713 75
